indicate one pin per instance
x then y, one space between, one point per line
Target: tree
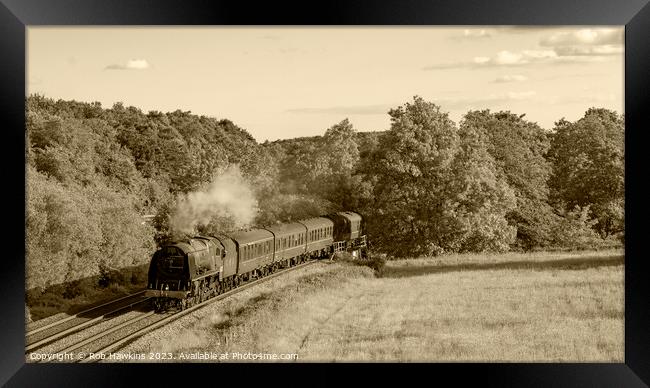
338 156
435 189
588 167
519 147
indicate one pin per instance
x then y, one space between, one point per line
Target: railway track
96 347
44 335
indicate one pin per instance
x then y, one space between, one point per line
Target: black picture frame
16 15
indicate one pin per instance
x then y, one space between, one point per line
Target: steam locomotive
188 272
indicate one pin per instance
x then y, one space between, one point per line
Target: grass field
561 307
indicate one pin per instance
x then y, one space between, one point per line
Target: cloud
577 46
591 98
592 50
507 58
378 109
502 58
585 36
444 102
472 34
586 42
477 33
131 64
493 99
510 78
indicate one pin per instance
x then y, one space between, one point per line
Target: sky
286 82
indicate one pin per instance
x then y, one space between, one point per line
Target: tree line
426 186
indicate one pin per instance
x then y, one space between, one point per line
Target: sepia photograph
325 194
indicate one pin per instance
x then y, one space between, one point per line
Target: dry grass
514 307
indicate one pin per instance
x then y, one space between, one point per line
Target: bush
375 261
575 230
72 290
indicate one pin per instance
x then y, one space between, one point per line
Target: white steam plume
228 195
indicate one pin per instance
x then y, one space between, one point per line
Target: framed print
445 188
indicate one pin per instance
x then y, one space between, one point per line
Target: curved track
41 336
143 322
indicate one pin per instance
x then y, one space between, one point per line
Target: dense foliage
426 185
588 168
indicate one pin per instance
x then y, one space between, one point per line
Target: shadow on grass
578 263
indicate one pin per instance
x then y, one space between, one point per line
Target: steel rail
81 326
66 319
139 333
